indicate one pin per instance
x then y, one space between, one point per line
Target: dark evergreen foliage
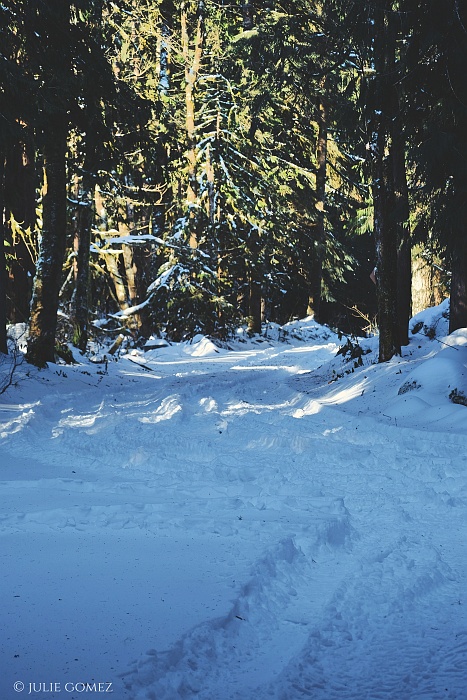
213 163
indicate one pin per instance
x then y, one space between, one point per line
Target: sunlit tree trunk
134 263
458 304
428 288
113 268
20 203
192 60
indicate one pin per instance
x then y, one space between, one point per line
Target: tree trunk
320 194
54 103
386 261
3 334
254 283
112 264
254 305
428 288
82 243
248 15
400 189
385 227
192 67
20 202
134 270
458 305
404 248
129 288
45 297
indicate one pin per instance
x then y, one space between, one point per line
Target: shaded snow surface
231 524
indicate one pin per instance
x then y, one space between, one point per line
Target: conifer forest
170 168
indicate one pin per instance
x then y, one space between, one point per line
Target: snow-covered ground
267 521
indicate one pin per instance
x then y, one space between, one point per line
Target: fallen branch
11 362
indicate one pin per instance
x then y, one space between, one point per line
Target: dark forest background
173 168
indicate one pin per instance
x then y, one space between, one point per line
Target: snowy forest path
233 536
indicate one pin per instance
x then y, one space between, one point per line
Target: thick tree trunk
3 334
400 188
386 260
55 97
45 298
385 227
458 305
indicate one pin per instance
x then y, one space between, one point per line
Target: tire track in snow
392 630
225 658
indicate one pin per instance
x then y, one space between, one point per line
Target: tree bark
427 281
45 297
192 68
385 228
386 260
320 194
404 248
3 333
20 202
458 304
248 15
133 261
84 216
400 188
254 284
112 264
54 105
254 305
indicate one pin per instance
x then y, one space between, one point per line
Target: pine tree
300 64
